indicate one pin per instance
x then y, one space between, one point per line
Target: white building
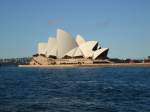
64 46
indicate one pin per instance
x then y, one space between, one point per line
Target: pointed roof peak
80 40
61 30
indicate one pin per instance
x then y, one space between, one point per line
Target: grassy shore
91 65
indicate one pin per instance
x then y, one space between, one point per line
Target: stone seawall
91 65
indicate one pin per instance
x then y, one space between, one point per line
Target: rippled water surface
74 89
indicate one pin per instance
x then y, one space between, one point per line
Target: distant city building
63 46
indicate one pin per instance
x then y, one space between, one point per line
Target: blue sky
121 25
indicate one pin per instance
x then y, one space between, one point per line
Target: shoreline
88 65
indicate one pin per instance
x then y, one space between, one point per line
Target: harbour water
75 89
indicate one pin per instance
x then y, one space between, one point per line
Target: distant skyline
121 25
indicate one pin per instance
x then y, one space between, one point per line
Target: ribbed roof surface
65 43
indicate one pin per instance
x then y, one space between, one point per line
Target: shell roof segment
80 40
65 43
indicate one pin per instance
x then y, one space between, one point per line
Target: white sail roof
75 52
80 40
87 47
99 52
53 52
42 48
71 53
51 43
65 43
78 52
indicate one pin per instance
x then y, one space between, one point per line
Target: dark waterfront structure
147 60
15 61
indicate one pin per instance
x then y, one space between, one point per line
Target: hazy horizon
123 26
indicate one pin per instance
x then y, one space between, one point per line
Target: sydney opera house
64 49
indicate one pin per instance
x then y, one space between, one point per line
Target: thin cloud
55 21
103 24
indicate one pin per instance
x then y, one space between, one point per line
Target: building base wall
40 60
